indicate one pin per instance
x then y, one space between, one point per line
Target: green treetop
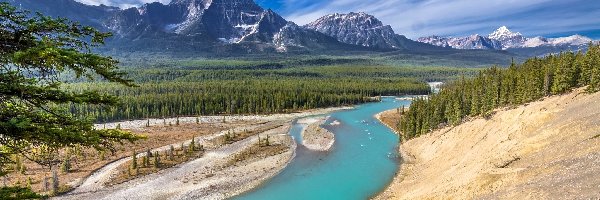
34 51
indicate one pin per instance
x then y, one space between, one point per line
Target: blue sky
415 18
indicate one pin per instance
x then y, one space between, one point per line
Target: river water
361 163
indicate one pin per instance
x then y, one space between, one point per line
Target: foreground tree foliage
34 51
495 87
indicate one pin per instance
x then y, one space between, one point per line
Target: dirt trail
200 178
545 150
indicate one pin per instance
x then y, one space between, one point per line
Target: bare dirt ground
212 176
548 149
235 158
86 161
160 134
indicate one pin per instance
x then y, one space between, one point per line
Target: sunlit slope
547 149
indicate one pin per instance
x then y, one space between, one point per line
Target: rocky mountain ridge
504 39
227 26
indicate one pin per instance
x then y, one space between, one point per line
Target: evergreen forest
498 87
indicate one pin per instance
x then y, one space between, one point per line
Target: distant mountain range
237 27
504 39
220 26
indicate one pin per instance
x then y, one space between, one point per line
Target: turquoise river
361 163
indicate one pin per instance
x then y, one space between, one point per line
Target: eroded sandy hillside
545 150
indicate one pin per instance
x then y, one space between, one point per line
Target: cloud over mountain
415 18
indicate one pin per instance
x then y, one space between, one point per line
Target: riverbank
314 137
548 149
90 175
222 172
390 119
144 123
361 162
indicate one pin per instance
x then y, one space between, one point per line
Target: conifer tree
495 87
47 47
156 160
192 145
134 160
66 165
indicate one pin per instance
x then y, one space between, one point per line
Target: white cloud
415 18
122 3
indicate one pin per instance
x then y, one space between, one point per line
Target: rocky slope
235 28
356 28
470 42
228 21
217 26
503 39
548 149
364 30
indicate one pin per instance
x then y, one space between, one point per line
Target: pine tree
156 160
457 112
267 141
564 74
102 155
495 87
134 160
66 165
192 145
171 151
35 51
594 59
145 161
587 62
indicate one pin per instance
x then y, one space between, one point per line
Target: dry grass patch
84 162
256 152
159 160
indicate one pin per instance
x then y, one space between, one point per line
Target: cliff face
546 150
360 29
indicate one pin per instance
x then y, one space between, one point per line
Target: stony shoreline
211 175
142 123
378 116
206 177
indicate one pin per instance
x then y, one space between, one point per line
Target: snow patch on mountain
571 40
503 33
357 29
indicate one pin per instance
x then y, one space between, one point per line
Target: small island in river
315 137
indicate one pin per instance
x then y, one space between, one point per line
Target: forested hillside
493 88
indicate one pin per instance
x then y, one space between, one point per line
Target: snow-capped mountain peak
358 29
507 37
502 39
503 33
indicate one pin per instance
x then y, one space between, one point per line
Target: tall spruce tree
34 51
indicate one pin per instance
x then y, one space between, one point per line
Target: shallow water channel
362 161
